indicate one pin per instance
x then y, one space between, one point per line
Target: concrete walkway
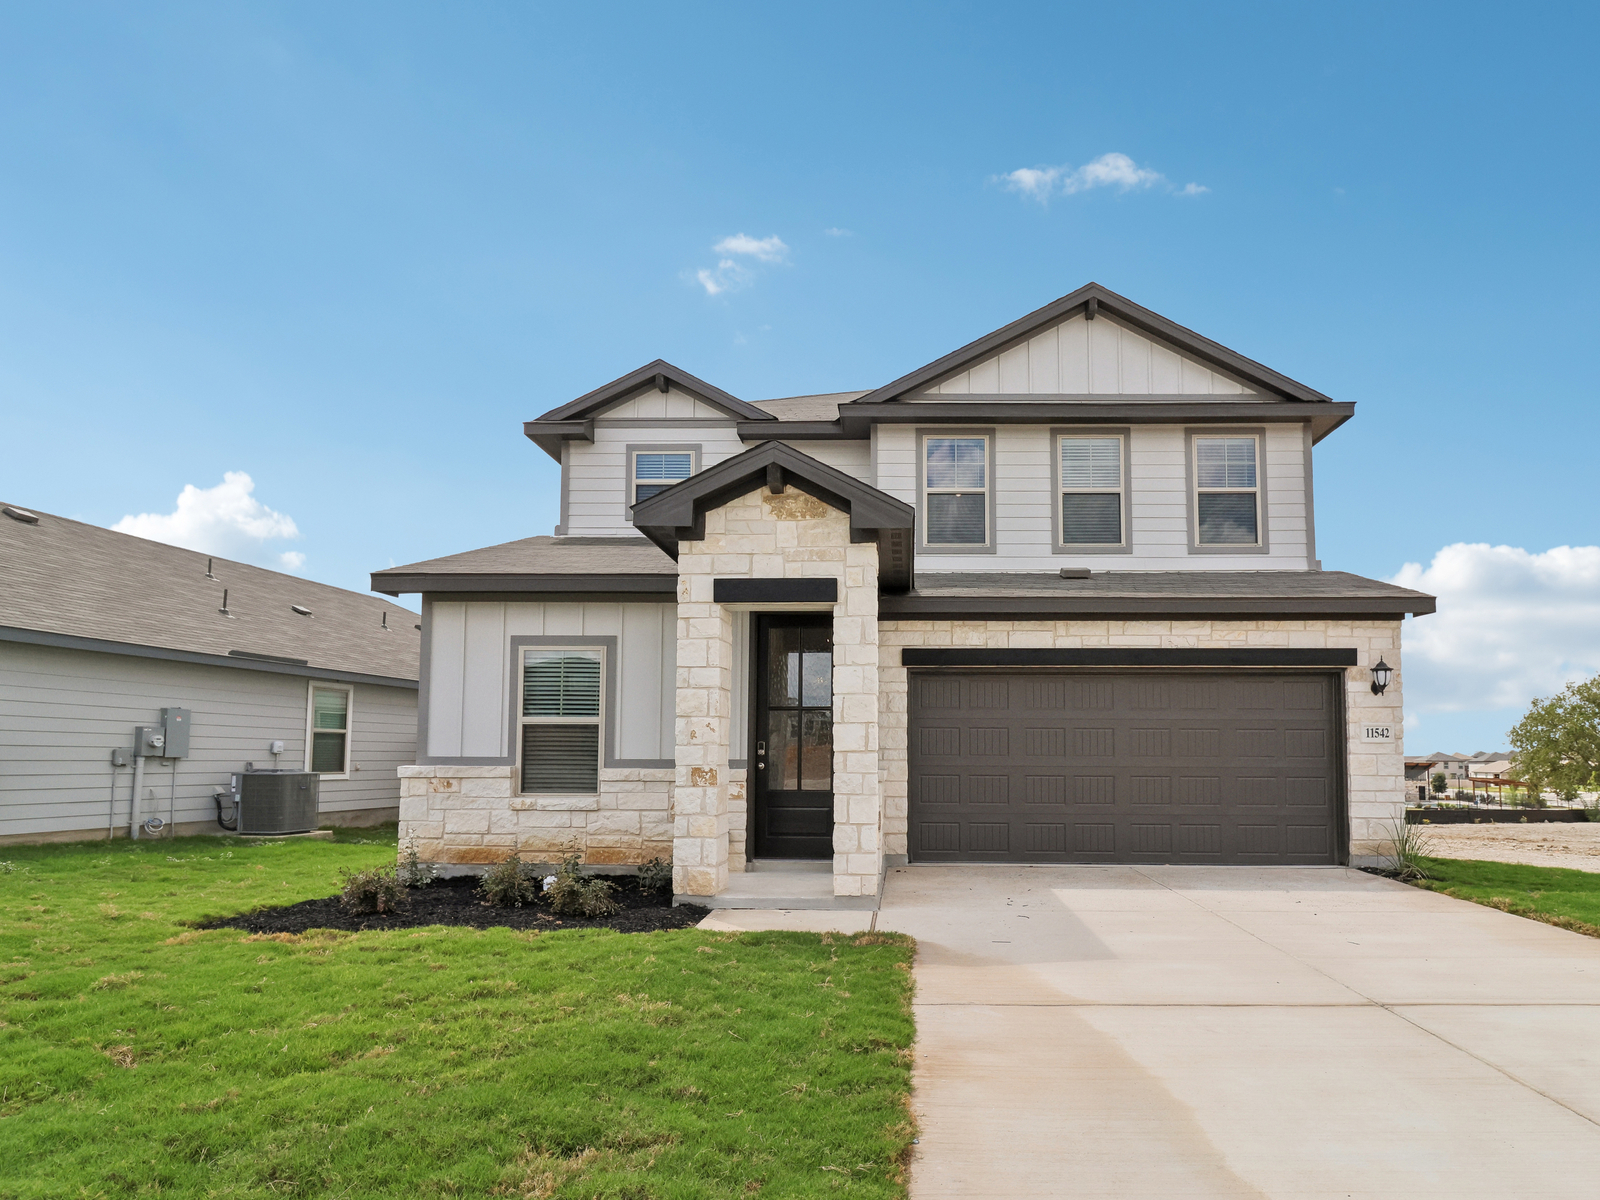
1239 1032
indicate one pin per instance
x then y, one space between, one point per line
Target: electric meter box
175 725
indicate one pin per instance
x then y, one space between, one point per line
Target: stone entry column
704 727
857 797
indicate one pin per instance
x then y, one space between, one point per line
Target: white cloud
1109 170
730 275
1511 625
767 249
225 520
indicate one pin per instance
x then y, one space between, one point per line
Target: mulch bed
455 901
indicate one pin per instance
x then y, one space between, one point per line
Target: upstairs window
956 491
1091 491
329 741
656 470
1227 491
561 721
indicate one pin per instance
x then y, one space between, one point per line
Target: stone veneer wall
759 535
1376 775
474 816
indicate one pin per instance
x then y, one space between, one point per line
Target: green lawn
139 1056
1555 895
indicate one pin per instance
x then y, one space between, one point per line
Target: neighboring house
1054 597
99 631
1457 768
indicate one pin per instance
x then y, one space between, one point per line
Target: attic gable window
955 491
657 470
1227 491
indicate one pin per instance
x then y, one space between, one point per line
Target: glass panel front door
792 763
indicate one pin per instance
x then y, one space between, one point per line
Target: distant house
100 631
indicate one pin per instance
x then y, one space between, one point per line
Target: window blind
561 758
1088 462
956 463
957 518
1225 462
329 708
561 683
655 472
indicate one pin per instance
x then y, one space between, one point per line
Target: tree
1439 783
1556 746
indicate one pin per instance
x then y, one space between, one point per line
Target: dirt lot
1576 846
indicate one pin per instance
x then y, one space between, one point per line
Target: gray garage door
1022 766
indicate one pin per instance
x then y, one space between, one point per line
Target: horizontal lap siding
472 673
62 712
1024 498
597 472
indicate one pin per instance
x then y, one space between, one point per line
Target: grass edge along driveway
141 1056
1558 896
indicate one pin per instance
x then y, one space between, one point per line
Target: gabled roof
77 585
1091 300
659 374
678 513
575 419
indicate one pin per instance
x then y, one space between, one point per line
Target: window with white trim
560 720
656 470
1227 501
955 501
328 730
1091 490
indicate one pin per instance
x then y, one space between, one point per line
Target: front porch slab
776 888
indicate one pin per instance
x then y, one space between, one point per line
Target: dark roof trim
394 584
857 418
1110 608
655 374
1125 656
38 637
678 513
548 435
1106 301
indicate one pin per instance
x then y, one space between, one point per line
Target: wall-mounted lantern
1381 674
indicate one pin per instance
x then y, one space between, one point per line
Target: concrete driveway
1230 1032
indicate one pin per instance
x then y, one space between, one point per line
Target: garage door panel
1160 769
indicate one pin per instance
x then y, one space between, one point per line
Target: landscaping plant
656 875
572 892
1410 848
413 872
510 884
374 890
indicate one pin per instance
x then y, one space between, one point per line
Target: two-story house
1054 597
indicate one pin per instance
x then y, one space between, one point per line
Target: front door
792 783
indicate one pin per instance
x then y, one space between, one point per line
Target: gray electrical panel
175 725
149 741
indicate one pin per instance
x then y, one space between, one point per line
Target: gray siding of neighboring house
63 711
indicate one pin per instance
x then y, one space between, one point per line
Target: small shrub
377 890
509 884
572 893
413 872
656 875
1591 806
1410 848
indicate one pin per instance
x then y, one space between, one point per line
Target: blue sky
346 249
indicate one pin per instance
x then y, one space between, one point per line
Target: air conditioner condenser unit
276 802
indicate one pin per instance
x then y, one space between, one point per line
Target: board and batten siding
63 711
1081 357
1023 497
471 674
